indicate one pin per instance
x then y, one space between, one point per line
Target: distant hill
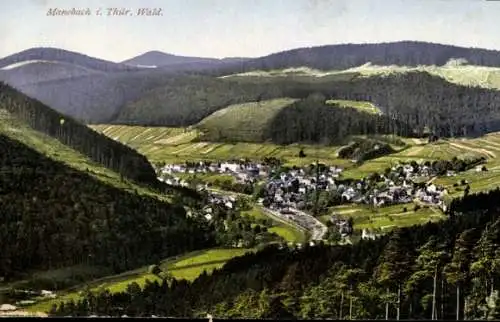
161 59
184 90
41 71
89 89
62 56
97 98
344 56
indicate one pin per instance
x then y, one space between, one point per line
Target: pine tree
394 268
457 271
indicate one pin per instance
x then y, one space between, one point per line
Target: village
287 191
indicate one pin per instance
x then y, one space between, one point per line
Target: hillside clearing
242 122
362 106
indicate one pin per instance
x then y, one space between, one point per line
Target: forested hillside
312 120
96 91
54 216
422 100
98 147
191 98
417 99
97 97
344 56
445 270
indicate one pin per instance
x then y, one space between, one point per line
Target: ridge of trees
96 146
345 56
312 120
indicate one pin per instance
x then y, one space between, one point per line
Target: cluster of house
228 202
291 188
287 193
243 171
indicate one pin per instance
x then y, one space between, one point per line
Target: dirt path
465 147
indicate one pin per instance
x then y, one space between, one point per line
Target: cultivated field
162 144
385 218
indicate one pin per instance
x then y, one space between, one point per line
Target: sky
243 28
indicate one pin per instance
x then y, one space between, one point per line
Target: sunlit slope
242 122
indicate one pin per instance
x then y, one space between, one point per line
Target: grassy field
242 122
163 144
385 218
359 105
288 232
187 267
